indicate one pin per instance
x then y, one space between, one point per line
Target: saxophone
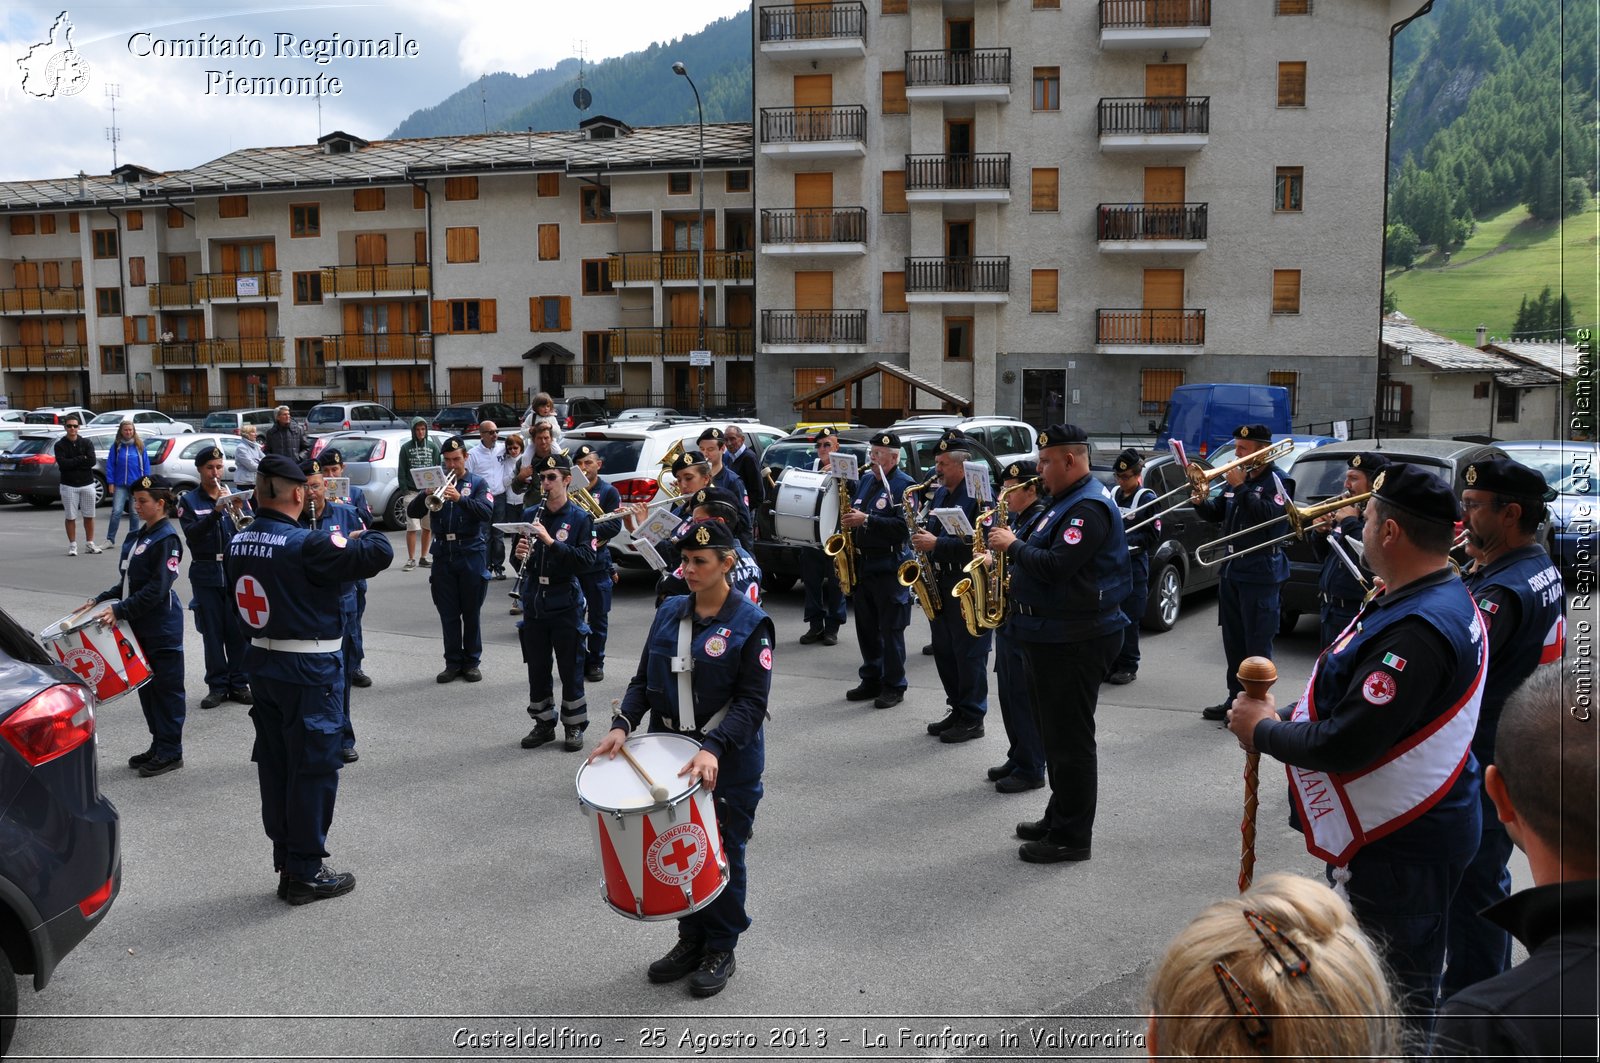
915 573
981 593
841 545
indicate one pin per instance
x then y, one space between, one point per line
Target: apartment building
1062 209
409 272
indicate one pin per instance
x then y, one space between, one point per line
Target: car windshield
1571 468
217 422
325 415
801 454
32 445
616 455
40 418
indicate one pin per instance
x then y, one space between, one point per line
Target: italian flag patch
1392 661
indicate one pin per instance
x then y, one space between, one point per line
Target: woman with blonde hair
126 464
1281 970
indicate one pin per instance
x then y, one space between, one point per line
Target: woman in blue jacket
126 464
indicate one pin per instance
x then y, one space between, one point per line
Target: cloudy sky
172 114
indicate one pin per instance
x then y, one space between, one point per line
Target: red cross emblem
677 854
680 855
252 601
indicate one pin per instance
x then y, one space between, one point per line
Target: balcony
173 296
41 301
403 278
368 348
183 354
808 133
813 331
45 356
679 340
960 74
1173 228
242 350
1155 123
814 231
1147 331
958 279
958 178
814 31
240 287
1130 24
633 268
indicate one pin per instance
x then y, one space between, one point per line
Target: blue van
1203 416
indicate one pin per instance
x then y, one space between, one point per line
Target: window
461 244
894 293
136 271
548 184
1505 404
174 219
369 199
1285 291
1292 7
47 224
308 356
233 207
1047 5
1047 88
736 181
108 302
1292 84
419 198
1480 390
135 221
596 276
105 243
460 188
113 359
1155 389
22 225
595 204
550 313
596 347
958 339
305 219
893 7
894 192
1290 189
464 316
549 242
1046 288
139 329
1291 383
308 286
679 184
1046 189
894 92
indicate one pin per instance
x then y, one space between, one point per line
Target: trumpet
234 503
1300 519
669 485
436 500
1200 479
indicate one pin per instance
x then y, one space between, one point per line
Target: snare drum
657 860
807 509
108 659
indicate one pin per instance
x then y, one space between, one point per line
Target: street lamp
700 273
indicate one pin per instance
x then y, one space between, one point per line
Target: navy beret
554 461
152 483
1417 491
1258 432
453 444
706 535
212 453
1128 460
1370 462
1020 470
711 433
582 451
824 433
281 468
886 439
1061 434
712 496
687 459
311 467
331 456
1504 476
953 439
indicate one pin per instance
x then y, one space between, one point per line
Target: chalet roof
60 193
1440 353
1560 358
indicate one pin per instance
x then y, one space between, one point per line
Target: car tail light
96 900
570 422
316 448
38 459
50 724
166 450
379 451
471 428
638 489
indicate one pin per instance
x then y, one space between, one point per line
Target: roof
890 369
61 192
1437 352
1560 357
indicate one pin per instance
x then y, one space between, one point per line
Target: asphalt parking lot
885 885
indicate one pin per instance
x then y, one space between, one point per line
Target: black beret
453 444
152 483
280 468
1061 434
582 451
554 461
886 439
1504 476
212 453
311 467
713 496
687 459
824 433
710 433
1258 432
706 535
1020 470
953 439
1128 461
1417 491
331 456
1369 461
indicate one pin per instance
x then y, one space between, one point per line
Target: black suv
461 418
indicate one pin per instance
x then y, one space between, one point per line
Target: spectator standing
126 464
75 458
247 457
286 436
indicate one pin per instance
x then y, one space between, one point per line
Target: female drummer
151 558
731 673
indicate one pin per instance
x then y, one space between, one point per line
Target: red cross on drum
254 609
109 660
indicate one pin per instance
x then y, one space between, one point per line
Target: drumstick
1257 674
657 791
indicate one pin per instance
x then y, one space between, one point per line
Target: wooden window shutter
175 219
419 198
486 316
441 317
128 331
1046 289
135 271
233 207
549 241
894 7
566 313
369 199
894 192
1292 84
22 225
535 313
1046 189
72 222
352 318
894 92
47 224
135 220
460 188
461 244
52 275
549 184
1285 291
894 293
230 258
77 271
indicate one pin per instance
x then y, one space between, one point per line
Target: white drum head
807 509
613 786
72 621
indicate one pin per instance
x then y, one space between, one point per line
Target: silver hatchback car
372 462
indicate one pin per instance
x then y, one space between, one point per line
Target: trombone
1200 479
436 500
1300 519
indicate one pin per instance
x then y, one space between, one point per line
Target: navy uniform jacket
358 502
549 574
1022 525
1521 599
1261 497
1141 543
337 518
1070 576
1336 580
882 540
952 552
610 501
207 527
460 528
149 566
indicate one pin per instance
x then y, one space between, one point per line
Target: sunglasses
552 476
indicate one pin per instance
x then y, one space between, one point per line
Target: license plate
7 466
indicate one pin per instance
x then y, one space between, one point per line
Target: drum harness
683 664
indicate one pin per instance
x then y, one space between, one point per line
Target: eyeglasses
551 476
1469 506
487 432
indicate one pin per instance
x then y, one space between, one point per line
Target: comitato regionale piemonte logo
53 67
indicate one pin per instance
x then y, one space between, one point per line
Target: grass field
1508 256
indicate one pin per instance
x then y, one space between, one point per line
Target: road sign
700 358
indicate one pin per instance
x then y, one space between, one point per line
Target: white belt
298 645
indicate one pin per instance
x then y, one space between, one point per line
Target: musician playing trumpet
882 605
1339 547
209 516
461 547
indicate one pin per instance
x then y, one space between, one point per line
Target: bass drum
807 510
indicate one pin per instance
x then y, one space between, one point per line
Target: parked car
28 471
173 457
372 463
233 420
1204 416
461 418
60 848
1302 444
146 422
1573 470
8 415
327 417
10 432
59 414
646 413
1007 438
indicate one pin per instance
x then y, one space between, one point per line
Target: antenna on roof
113 134
319 112
581 97
483 98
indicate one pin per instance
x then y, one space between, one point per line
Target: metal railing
365 280
44 356
182 293
1395 420
958 66
369 347
813 326
1358 428
242 350
958 274
1178 327
1140 14
814 225
307 375
813 22
258 285
961 170
807 125
649 266
65 300
680 340
1152 115
1151 221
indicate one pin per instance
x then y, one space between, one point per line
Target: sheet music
979 483
845 466
954 519
338 487
428 478
516 527
648 552
661 524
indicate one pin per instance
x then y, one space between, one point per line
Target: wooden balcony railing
260 285
680 340
1180 327
1152 221
814 225
179 355
44 356
61 300
371 280
250 350
813 22
650 266
1150 115
929 173
958 274
802 125
593 374
958 66
388 347
166 295
307 376
813 326
1137 14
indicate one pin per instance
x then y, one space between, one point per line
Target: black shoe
964 731
927 651
814 635
684 957
714 972
139 759
1016 784
595 675
867 689
541 733
939 727
283 885
1048 852
830 638
159 766
1121 678
1215 712
349 755
243 696
360 679
472 675
1033 830
996 774
500 574
326 885
889 699
213 699
572 741
447 675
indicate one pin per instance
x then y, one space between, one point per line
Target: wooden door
33 389
25 274
814 93
958 153
1163 305
466 384
958 39
813 302
55 331
177 269
1163 202
683 309
511 385
1165 86
52 275
741 312
235 384
813 201
958 256
410 384
372 249
31 330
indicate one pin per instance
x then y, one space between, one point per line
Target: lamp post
700 272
